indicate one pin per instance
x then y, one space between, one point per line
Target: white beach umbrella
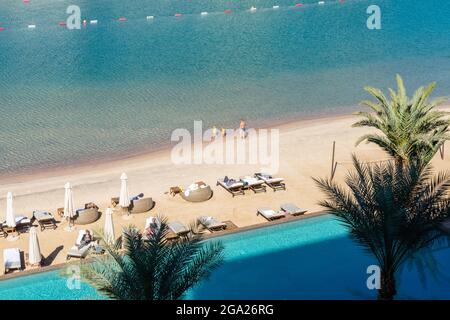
34 251
10 218
124 199
108 231
68 202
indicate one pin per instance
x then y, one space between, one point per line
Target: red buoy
62 24
122 19
299 5
2 29
228 11
178 14
26 1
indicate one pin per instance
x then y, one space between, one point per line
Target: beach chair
292 209
270 214
232 186
178 228
254 184
272 182
141 205
76 251
211 223
88 214
45 220
12 259
23 223
151 222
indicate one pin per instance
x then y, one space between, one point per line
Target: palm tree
394 212
409 129
153 269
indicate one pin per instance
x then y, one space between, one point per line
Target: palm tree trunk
388 288
400 162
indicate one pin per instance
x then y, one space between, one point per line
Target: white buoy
94 21
204 13
150 17
321 2
276 7
253 9
31 26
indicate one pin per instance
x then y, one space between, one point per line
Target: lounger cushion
11 258
211 222
269 213
42 215
178 227
292 208
230 183
251 181
79 253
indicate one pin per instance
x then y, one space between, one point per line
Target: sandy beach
305 152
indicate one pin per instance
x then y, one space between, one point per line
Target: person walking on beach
242 129
214 132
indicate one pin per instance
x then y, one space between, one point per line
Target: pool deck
206 236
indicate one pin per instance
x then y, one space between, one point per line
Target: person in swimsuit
242 129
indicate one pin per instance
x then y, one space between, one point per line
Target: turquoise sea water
120 88
308 259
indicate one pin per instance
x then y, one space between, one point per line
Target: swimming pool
307 259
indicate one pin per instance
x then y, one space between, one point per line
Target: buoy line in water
252 9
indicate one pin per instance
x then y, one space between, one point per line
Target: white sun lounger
76 251
178 228
211 223
292 209
45 219
148 222
12 259
232 186
151 220
272 182
270 214
255 184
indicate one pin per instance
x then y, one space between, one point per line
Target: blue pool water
308 259
116 89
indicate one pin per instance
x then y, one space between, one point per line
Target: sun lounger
211 223
151 222
270 214
272 182
12 259
76 251
178 228
45 220
23 223
232 186
255 184
292 209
